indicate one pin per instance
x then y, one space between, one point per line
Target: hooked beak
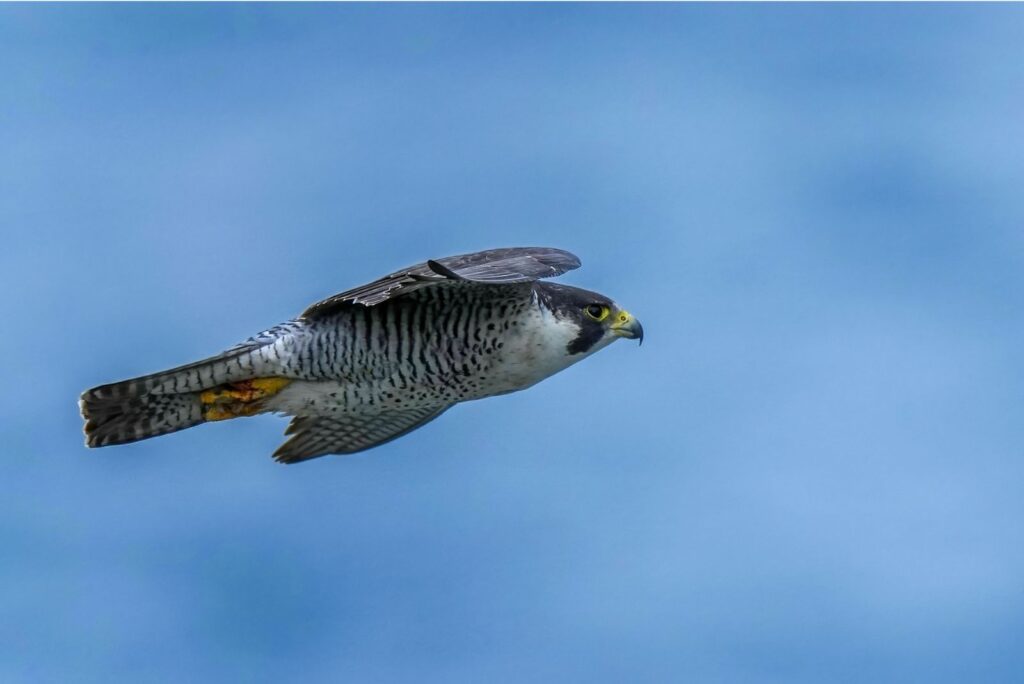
627 326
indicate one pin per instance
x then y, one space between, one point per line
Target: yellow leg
214 413
239 398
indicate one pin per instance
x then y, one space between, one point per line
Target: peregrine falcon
373 363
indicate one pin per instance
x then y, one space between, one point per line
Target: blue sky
811 471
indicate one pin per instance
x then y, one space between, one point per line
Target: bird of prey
373 363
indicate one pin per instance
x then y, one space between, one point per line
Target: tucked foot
239 398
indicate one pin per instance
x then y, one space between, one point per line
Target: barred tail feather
157 404
119 419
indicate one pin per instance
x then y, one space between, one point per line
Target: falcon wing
313 436
494 266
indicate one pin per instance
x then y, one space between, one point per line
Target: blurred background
811 471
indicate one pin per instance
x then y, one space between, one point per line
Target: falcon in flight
368 365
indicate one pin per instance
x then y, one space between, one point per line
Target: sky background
811 471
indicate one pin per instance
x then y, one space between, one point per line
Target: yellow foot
239 398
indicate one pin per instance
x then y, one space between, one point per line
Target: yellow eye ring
597 312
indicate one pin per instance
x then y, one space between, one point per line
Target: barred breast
440 345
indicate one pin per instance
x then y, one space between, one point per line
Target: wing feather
493 266
313 436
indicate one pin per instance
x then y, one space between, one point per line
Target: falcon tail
122 417
215 389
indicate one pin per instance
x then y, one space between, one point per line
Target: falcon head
595 320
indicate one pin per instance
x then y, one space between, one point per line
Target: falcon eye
598 312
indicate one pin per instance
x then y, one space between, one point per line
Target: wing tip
570 261
287 454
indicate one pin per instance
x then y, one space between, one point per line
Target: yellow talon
239 398
217 414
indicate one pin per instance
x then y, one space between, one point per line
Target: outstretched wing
494 266
313 436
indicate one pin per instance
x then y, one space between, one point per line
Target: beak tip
629 328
